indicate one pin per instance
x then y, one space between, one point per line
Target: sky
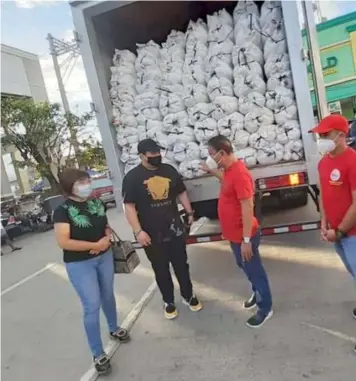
26 23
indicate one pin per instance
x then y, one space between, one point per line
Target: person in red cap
337 172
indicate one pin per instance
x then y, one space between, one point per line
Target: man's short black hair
221 143
69 176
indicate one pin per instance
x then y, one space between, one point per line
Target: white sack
228 125
173 163
285 114
221 70
195 94
123 107
244 7
271 10
204 153
269 133
173 123
147 86
124 58
153 124
251 68
241 139
292 129
148 114
293 150
224 106
275 44
205 130
277 64
172 75
257 142
122 72
126 93
147 100
193 74
186 135
186 152
150 74
280 80
218 29
171 103
191 169
132 163
197 31
128 121
246 53
220 52
249 103
219 87
271 155
279 98
200 112
248 155
243 85
259 116
248 30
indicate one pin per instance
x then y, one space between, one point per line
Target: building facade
21 76
337 42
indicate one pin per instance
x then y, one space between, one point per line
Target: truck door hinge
93 108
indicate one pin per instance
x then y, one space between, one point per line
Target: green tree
92 155
40 132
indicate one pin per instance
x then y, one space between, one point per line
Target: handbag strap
116 236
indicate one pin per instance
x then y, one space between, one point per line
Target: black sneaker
121 335
170 311
16 248
193 303
257 320
251 303
102 364
354 313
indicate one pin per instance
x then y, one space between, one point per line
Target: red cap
330 123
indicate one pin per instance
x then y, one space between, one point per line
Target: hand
102 245
108 232
204 167
143 239
330 235
246 251
190 220
323 230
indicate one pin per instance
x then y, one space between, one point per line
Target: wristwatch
340 234
246 239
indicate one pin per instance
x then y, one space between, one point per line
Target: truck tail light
283 181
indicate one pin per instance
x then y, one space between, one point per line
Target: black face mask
155 161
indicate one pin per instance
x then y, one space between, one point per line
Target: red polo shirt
237 185
337 182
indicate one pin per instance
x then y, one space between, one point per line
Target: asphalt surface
311 335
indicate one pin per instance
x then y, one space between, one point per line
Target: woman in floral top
81 228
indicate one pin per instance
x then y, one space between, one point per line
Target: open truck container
103 26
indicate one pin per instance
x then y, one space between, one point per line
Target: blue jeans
346 248
256 274
93 281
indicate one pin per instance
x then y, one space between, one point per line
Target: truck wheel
298 200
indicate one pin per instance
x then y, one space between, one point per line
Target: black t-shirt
154 193
87 221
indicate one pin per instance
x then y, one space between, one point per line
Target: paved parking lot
311 335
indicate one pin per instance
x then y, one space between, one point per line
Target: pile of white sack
230 76
280 97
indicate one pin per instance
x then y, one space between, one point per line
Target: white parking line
24 280
112 346
340 335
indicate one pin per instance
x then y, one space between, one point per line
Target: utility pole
59 47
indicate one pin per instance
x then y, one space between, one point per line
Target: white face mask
211 163
82 191
326 145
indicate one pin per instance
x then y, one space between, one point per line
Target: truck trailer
103 26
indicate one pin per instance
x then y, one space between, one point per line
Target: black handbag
126 258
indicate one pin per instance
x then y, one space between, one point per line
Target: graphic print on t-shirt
79 220
158 187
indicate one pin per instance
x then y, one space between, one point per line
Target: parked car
103 189
49 206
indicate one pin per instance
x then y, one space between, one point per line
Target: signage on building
334 107
329 67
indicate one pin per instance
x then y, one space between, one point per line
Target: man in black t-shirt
150 193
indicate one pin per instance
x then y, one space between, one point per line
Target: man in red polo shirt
337 172
238 223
